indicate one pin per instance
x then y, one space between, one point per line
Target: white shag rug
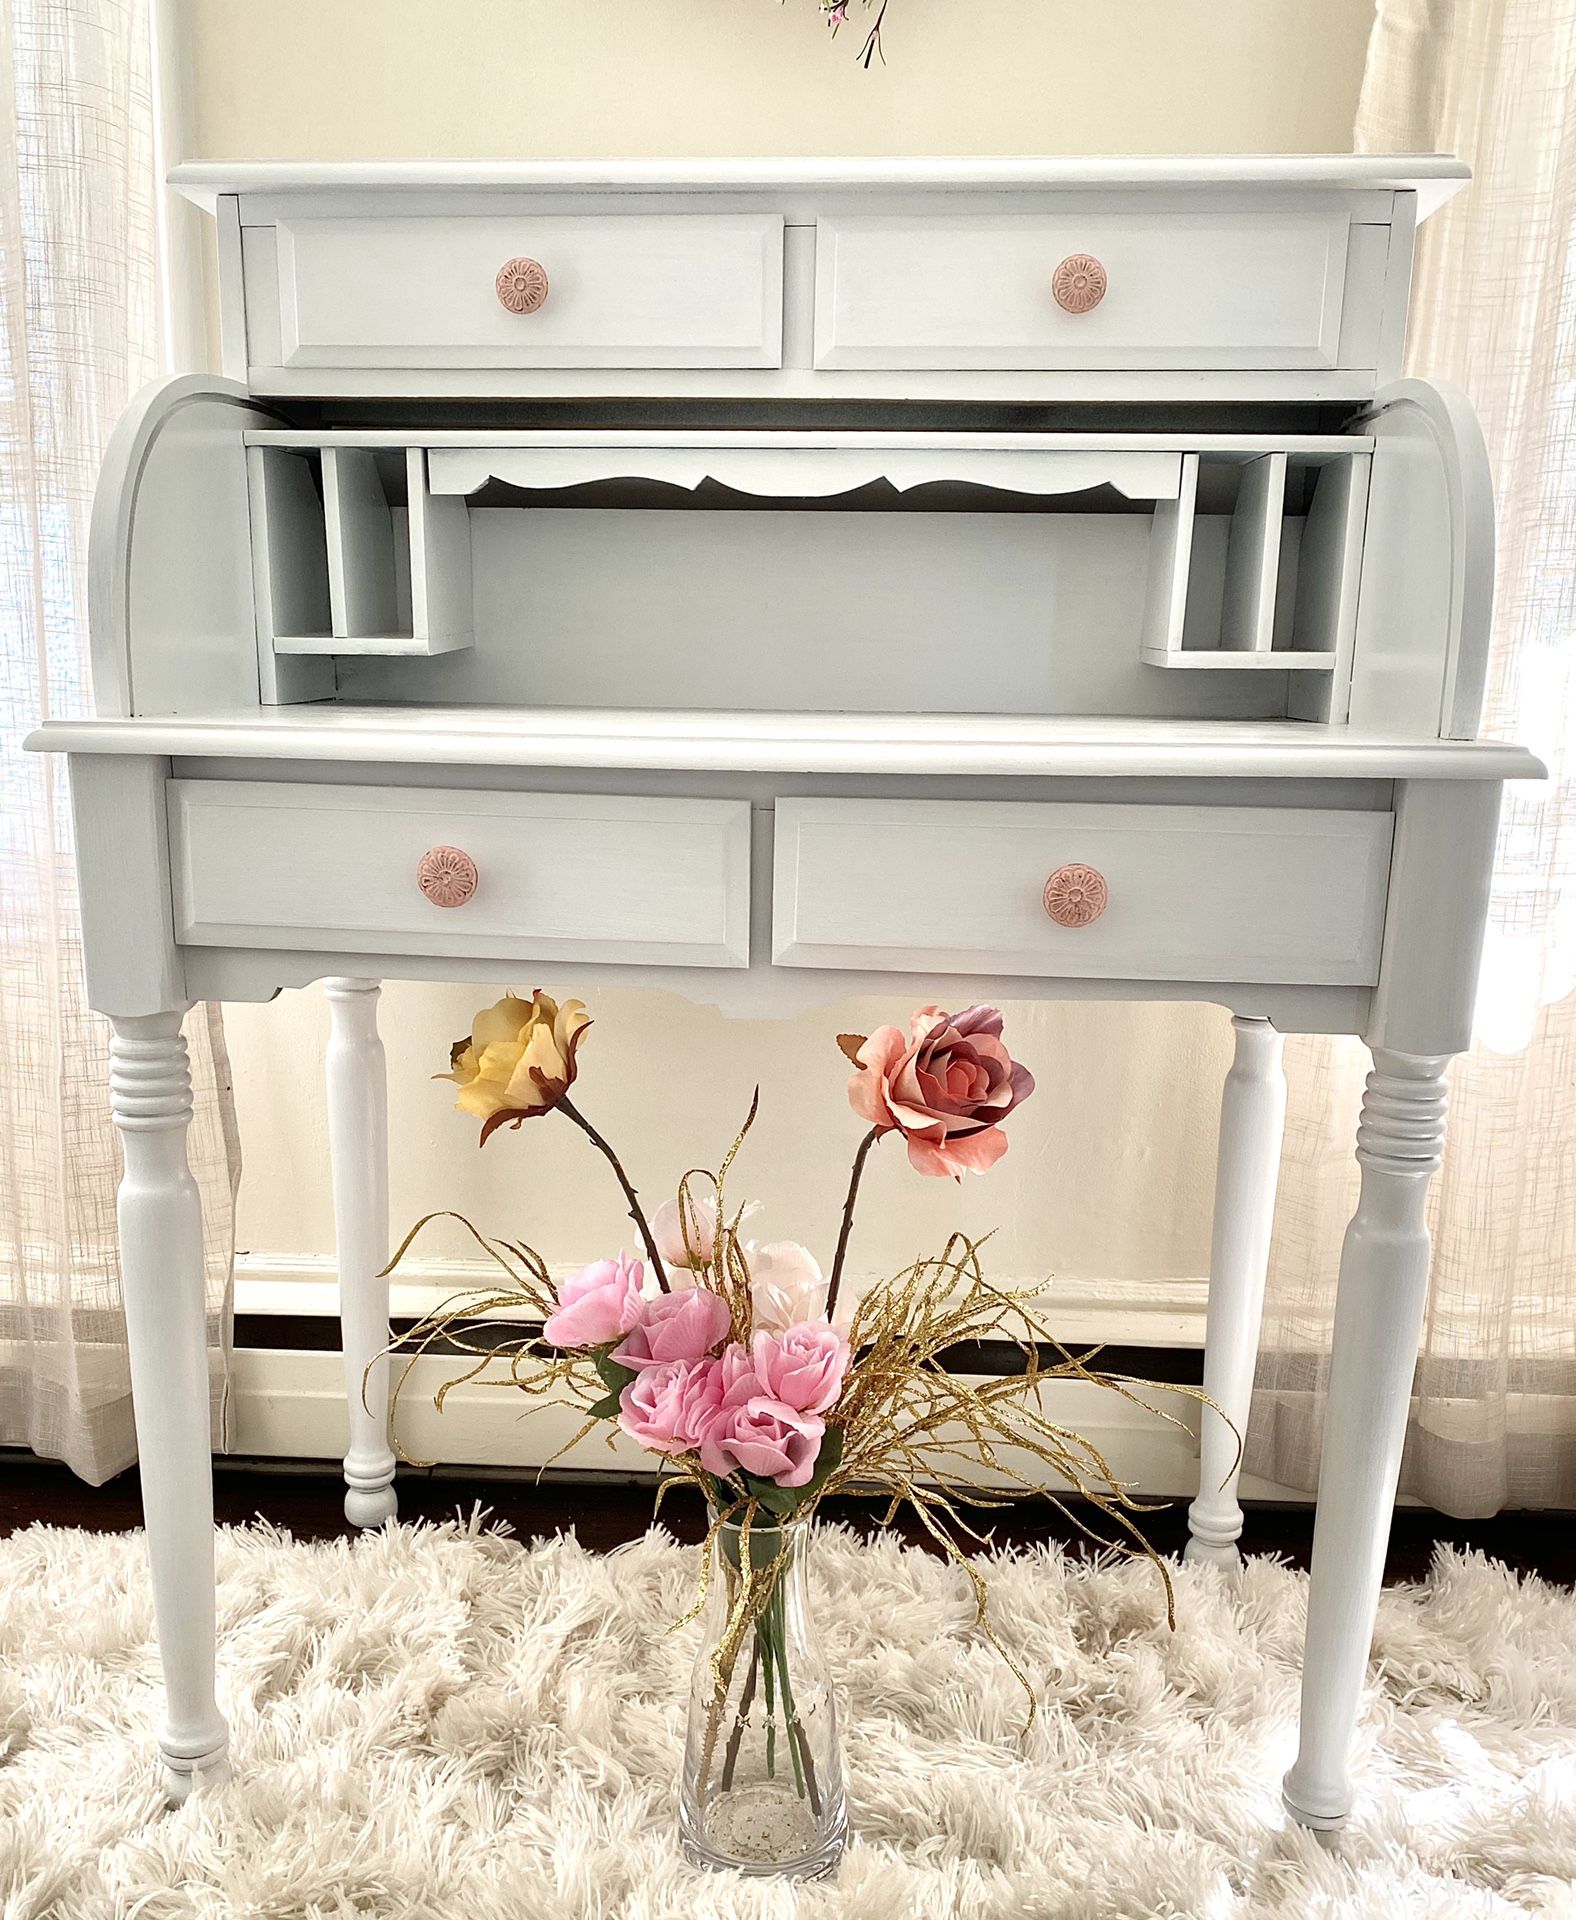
437 1723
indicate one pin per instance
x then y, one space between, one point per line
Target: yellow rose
519 1059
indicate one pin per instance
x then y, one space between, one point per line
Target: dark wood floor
306 1501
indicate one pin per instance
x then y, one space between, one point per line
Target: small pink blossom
675 1326
668 1408
803 1366
597 1304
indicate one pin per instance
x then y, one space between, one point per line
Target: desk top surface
940 745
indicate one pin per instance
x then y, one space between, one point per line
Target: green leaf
826 1463
613 1373
774 1498
607 1407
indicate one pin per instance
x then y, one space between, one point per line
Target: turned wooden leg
162 1280
1252 1120
1378 1318
358 1155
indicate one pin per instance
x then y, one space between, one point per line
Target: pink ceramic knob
447 876
522 284
1079 283
1076 895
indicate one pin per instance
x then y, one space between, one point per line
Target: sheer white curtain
1494 1407
79 331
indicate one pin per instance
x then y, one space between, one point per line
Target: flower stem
567 1107
769 1671
848 1216
741 1715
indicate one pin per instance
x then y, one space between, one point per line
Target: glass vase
762 1790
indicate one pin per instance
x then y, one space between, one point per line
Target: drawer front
1245 894
682 290
1176 291
585 877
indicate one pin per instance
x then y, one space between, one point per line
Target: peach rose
519 1059
944 1087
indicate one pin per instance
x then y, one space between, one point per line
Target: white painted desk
775 579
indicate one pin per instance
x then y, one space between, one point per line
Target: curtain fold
79 332
1494 309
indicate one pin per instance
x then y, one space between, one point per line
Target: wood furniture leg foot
1378 1317
1252 1120
162 1279
358 1154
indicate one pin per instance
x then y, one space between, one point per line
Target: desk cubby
1064 566
353 555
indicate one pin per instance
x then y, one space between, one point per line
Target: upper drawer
1279 896
521 876
1146 290
596 290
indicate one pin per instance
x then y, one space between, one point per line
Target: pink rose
786 1285
597 1304
675 1326
761 1436
668 1408
803 1366
944 1088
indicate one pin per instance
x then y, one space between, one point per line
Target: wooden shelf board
374 646
1222 660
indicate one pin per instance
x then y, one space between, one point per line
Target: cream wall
356 79
1111 1166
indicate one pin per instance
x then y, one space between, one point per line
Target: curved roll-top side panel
1427 590
171 610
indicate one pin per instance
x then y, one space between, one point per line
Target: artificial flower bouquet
753 1375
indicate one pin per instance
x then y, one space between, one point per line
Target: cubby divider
363 580
1170 568
289 574
1247 610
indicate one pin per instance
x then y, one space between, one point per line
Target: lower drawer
1249 894
523 876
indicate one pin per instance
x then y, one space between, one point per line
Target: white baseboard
1138 1313
290 1405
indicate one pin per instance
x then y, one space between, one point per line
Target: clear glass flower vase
762 1790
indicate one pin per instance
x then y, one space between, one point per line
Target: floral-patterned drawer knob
447 876
1079 283
522 284
1076 895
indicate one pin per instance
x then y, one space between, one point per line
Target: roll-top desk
948 579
